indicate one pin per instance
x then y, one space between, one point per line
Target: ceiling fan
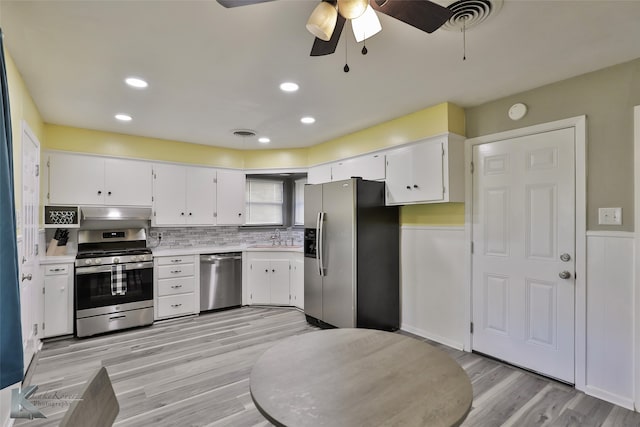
328 18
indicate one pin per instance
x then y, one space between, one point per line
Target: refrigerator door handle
319 269
320 245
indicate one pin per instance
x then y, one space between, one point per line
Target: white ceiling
212 70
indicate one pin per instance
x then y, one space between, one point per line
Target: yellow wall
439 214
431 121
113 144
22 108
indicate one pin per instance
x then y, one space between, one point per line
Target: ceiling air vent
469 13
244 133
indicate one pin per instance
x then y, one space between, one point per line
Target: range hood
115 213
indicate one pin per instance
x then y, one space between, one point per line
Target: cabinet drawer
178 270
176 305
187 259
177 285
52 270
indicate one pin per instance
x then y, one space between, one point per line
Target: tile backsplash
187 237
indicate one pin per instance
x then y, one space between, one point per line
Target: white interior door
523 219
31 300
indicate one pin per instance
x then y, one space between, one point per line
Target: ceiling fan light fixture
322 21
366 25
352 9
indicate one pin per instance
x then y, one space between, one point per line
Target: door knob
565 257
26 277
564 275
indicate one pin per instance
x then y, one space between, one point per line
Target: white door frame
579 126
636 226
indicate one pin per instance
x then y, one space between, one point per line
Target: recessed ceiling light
289 87
264 140
123 117
308 120
136 82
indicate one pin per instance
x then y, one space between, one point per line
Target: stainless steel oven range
113 281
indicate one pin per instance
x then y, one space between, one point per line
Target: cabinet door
399 176
279 282
231 197
169 200
127 182
297 281
201 196
370 167
428 178
258 281
76 180
57 310
319 174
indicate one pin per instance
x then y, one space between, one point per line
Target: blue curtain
11 364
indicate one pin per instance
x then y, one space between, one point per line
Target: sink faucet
276 236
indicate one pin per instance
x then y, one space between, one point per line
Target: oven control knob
88 261
116 260
134 258
98 261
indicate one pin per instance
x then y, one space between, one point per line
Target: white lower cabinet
297 280
272 276
58 300
175 286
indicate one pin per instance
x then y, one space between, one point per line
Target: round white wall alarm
517 111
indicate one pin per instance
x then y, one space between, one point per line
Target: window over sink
275 200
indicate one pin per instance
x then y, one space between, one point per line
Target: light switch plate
610 216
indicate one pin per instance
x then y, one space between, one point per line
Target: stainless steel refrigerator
351 264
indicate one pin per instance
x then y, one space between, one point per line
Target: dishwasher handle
220 257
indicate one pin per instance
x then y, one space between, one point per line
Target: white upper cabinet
431 171
88 180
231 197
319 174
371 167
183 195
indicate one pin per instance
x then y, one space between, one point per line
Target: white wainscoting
432 283
610 316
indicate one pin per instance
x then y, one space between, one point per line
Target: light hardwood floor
195 372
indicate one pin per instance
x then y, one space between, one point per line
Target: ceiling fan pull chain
346 56
464 39
364 47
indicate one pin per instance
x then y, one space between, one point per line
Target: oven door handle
107 268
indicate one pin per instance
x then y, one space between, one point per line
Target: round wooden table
359 377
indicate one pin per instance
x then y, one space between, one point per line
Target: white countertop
48 260
223 249
64 259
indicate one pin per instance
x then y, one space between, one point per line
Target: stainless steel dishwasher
220 281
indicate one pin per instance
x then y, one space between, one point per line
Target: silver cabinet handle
176 260
176 271
27 277
176 305
564 275
176 286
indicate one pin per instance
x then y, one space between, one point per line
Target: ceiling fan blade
236 3
421 14
321 47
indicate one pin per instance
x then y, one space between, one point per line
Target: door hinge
43 326
471 327
152 198
47 196
442 146
48 163
215 180
43 291
472 167
215 214
154 213
37 170
37 249
444 191
35 329
250 266
471 247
